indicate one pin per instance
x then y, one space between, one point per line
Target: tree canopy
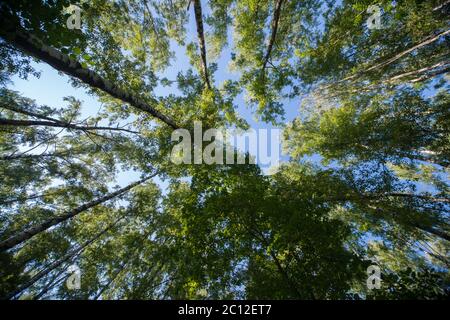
365 180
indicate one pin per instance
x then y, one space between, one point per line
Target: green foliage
374 111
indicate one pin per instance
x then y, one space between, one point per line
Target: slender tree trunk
273 34
58 124
57 263
30 197
32 231
439 7
284 274
438 233
428 70
54 282
399 55
201 39
431 74
442 163
391 194
108 284
417 196
47 289
259 235
440 258
310 288
33 46
121 268
42 155
152 21
404 195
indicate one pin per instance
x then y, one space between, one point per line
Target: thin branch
439 7
57 263
34 230
399 55
33 46
58 124
273 35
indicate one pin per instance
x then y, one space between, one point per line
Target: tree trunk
201 39
273 35
399 55
260 236
57 124
429 71
33 46
404 195
54 282
108 284
57 263
32 231
60 154
438 233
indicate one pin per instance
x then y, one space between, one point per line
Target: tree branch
275 21
201 40
32 231
58 262
58 124
33 46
